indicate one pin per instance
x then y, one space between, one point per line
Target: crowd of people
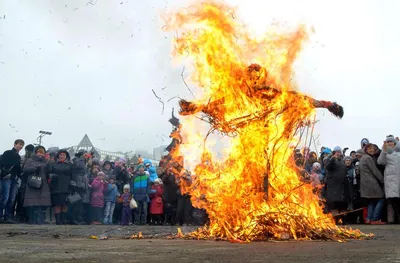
83 190
362 187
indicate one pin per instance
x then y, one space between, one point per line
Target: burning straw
259 108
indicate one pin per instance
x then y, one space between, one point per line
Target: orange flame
262 124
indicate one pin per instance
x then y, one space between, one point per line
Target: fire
256 107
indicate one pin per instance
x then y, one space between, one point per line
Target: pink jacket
98 189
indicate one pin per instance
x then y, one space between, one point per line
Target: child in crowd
316 175
110 199
157 204
126 209
97 200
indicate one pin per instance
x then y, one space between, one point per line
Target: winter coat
140 187
60 174
126 199
78 172
315 179
33 196
10 163
111 193
392 171
336 181
85 192
109 174
170 188
371 179
98 190
122 177
157 204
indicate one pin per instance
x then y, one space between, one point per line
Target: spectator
10 171
126 209
37 198
184 205
79 184
390 157
169 197
60 175
157 204
122 178
20 210
364 142
97 198
348 161
140 190
337 195
107 170
110 198
316 176
371 186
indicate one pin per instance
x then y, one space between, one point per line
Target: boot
58 219
64 220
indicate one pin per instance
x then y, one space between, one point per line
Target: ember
258 107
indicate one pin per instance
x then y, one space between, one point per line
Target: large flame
261 122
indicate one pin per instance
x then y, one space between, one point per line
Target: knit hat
127 187
316 166
347 158
391 139
327 151
364 141
140 166
101 173
360 152
337 149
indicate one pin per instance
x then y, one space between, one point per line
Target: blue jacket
111 194
140 188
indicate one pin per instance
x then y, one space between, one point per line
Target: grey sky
74 68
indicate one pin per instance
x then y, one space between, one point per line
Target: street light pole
42 134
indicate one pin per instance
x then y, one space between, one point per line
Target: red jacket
157 204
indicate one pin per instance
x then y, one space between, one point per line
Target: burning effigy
246 92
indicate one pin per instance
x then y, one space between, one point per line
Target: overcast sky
73 67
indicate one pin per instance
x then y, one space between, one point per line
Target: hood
66 153
147 162
152 170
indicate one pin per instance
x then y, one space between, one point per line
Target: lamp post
42 134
